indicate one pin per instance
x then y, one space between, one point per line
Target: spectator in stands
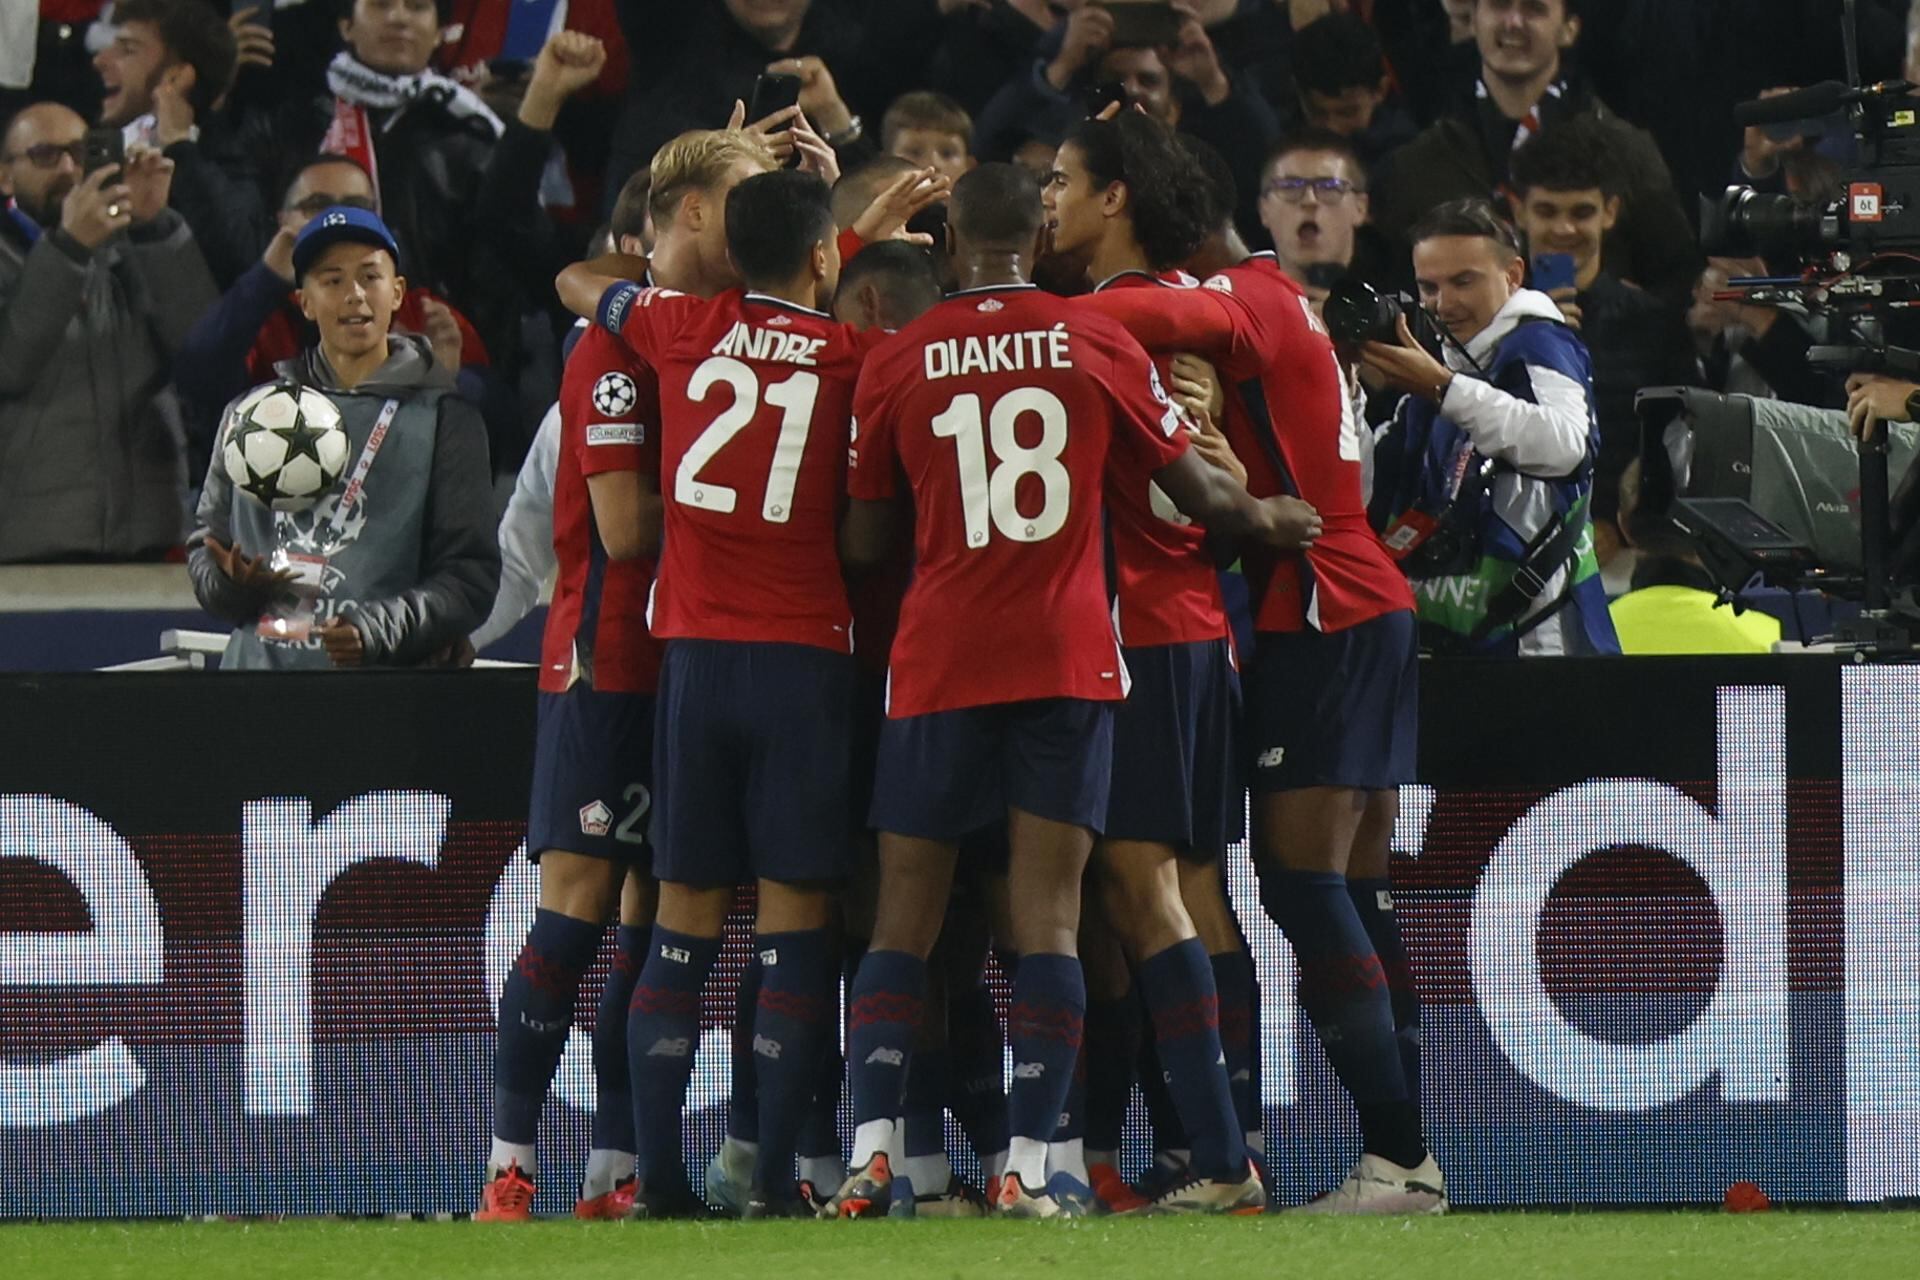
397 564
1512 398
1525 88
1184 85
694 58
1565 198
98 278
1341 73
259 323
931 130
1314 203
168 67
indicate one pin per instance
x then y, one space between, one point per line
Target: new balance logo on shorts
671 1047
766 1048
595 819
891 1057
1271 758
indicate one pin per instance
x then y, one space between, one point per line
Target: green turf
1487 1246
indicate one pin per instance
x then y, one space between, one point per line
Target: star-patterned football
286 447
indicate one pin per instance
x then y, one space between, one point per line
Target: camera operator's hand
1089 32
1408 366
1567 300
887 217
819 95
1873 399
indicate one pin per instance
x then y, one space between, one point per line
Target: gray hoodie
414 564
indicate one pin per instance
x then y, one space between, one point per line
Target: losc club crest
615 395
595 819
991 305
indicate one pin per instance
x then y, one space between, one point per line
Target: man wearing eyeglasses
1313 202
97 280
257 323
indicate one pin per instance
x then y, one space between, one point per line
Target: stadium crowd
374 200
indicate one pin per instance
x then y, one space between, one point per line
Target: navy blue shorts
869 714
753 742
1335 710
592 775
947 774
1176 778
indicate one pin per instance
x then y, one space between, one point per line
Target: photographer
1482 481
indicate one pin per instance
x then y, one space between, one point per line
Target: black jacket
1636 341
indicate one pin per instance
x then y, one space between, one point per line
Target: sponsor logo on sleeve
616 433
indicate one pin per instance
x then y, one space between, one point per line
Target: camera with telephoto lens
1356 312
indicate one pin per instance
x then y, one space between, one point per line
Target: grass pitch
1484 1246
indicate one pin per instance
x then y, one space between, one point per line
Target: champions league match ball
286 447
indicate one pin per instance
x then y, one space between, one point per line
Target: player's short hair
699 159
1575 155
773 222
1220 188
902 272
194 33
934 112
858 187
1337 52
1473 217
997 206
630 208
1325 140
1166 199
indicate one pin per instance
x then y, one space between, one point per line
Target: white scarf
360 85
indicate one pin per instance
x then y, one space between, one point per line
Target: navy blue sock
1178 985
1373 899
924 1105
1113 1042
1045 1026
1234 983
536 1012
1072 1123
743 1100
1344 993
977 1047
663 1033
883 1013
1163 1118
613 1106
794 1016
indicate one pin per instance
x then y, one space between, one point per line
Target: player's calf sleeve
1234 983
613 1109
1343 990
792 1020
536 1012
663 1033
883 1012
977 1093
743 1099
1373 899
1046 1026
1178 985
1113 1043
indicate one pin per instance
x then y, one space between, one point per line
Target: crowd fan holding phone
831 351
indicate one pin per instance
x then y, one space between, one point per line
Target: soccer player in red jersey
1333 694
1001 408
1127 198
593 774
756 686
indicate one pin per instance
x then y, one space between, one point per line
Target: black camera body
1356 312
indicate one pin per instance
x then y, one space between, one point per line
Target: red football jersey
755 395
1291 403
1167 587
597 623
1001 407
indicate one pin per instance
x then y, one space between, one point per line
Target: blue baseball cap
340 224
